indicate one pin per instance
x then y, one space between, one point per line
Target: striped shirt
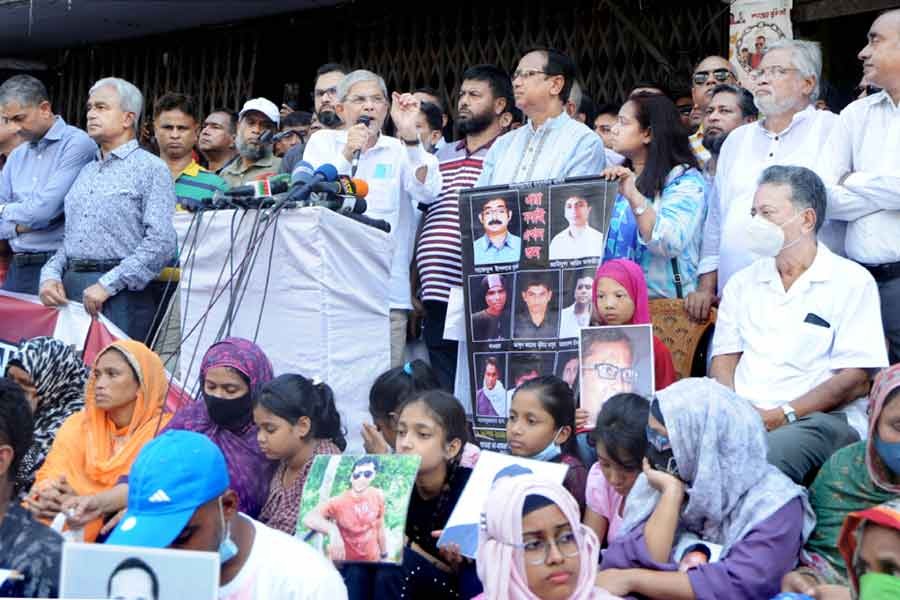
196 184
439 251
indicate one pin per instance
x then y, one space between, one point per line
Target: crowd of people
780 472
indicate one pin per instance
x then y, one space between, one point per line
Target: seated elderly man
799 330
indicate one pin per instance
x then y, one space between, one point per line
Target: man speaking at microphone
400 173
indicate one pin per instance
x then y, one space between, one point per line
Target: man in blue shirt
36 178
497 245
119 232
551 144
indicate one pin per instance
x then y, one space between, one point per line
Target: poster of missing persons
530 252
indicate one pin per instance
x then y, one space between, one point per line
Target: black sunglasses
720 75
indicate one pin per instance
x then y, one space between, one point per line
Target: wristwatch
642 208
789 413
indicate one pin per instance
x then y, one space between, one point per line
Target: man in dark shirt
27 547
492 323
538 320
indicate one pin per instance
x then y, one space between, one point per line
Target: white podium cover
324 312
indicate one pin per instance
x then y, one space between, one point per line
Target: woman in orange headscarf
86 467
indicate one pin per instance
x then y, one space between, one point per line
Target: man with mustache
729 108
710 72
862 171
484 96
258 116
217 139
324 98
497 245
792 132
492 323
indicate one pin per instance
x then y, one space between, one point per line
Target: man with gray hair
9 140
863 171
791 133
36 178
256 160
795 329
119 232
400 173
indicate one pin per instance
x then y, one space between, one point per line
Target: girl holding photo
297 421
541 426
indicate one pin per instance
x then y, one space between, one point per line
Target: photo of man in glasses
498 244
354 520
614 360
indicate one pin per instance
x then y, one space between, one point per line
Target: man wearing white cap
256 160
492 323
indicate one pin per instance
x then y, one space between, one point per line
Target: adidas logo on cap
159 496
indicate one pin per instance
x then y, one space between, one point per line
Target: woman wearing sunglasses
707 477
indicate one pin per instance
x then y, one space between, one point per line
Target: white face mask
766 238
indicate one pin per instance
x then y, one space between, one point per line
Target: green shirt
196 184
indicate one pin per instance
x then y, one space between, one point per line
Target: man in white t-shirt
799 331
178 497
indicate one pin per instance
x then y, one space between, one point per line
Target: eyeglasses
377 100
720 75
658 440
494 212
537 551
685 109
608 371
773 72
527 73
332 91
368 474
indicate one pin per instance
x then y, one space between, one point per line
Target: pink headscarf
630 276
501 565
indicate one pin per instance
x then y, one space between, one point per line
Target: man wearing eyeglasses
354 521
400 173
551 145
791 132
607 368
710 72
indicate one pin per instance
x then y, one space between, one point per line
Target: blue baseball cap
174 475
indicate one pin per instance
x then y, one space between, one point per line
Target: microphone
344 186
266 137
261 187
354 164
302 185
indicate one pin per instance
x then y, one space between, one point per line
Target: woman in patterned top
658 216
297 421
53 376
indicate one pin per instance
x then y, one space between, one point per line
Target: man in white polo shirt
400 174
797 331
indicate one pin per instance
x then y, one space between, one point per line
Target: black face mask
229 413
663 461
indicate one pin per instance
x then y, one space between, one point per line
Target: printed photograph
496 228
615 359
354 507
577 301
490 298
525 366
490 399
126 573
537 305
462 527
579 219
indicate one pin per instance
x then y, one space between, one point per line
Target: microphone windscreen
328 172
361 187
302 173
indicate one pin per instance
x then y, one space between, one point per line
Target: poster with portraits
354 507
614 359
530 252
104 571
756 25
